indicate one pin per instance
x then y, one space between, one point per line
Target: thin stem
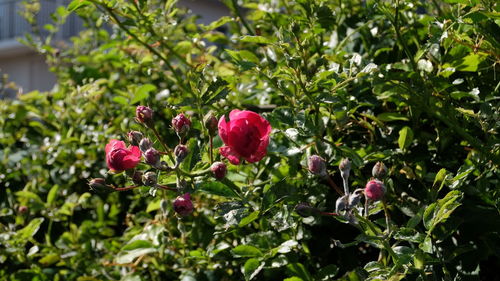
238 14
333 185
167 149
210 151
125 188
328 214
150 48
166 187
387 216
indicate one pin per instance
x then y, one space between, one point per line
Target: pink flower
120 158
246 136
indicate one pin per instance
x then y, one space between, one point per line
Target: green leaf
328 272
153 205
440 211
29 195
216 188
248 219
256 39
121 100
136 244
49 259
30 230
405 138
143 93
77 4
294 278
220 22
440 178
130 256
251 268
246 251
297 269
52 194
391 116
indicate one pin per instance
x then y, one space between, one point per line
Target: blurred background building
27 69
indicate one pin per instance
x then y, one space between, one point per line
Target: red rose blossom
245 135
120 158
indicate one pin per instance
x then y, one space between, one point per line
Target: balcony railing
13 25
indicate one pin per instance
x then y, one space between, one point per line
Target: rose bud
181 124
22 209
144 115
345 167
374 190
245 135
134 137
180 152
120 158
183 205
145 144
152 157
316 165
379 170
306 210
211 124
149 179
219 170
137 178
98 184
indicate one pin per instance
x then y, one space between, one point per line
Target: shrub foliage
413 84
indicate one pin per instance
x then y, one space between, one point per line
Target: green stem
239 15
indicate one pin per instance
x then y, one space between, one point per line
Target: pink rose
246 136
120 158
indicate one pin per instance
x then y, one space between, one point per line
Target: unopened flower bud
211 124
345 167
374 190
145 144
152 157
180 152
306 210
98 184
183 205
379 170
144 115
317 165
137 178
22 209
149 179
181 124
219 170
134 137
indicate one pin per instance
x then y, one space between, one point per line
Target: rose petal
230 154
135 151
233 115
260 152
243 137
114 144
223 129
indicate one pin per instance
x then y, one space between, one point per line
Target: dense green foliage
411 83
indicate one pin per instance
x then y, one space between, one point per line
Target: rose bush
411 84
